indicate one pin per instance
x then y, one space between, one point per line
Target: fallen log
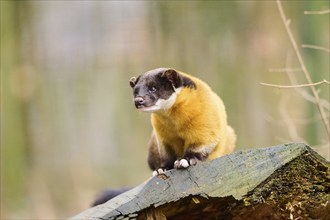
288 181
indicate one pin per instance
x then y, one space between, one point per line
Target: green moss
307 178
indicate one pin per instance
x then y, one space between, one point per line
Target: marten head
157 89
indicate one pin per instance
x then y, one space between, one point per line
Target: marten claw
158 172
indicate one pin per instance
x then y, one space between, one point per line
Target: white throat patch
164 104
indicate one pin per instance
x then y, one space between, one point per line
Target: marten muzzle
139 102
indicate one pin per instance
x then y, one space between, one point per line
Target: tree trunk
284 182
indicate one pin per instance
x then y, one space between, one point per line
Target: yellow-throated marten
189 120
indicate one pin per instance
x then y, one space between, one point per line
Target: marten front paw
158 172
181 164
184 163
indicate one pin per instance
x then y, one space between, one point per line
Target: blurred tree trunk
13 131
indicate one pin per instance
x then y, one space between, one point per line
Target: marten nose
138 101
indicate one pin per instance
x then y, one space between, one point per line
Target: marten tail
108 194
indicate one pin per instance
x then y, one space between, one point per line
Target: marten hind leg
231 140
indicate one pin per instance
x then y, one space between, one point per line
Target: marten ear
173 76
132 82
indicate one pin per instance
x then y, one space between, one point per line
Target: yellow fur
200 123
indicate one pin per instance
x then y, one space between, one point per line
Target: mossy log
289 181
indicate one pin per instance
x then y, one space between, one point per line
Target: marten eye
152 89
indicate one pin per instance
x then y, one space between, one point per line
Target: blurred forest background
68 124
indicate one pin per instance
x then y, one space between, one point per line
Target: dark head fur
157 89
